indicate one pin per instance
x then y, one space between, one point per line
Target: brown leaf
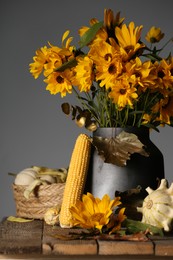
66 108
66 237
117 150
133 237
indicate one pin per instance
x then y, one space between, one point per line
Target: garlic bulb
51 216
157 208
25 177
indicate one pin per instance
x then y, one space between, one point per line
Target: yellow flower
59 82
116 220
139 74
163 71
84 75
93 212
123 94
128 39
110 21
146 119
108 63
54 61
42 55
165 110
103 52
154 35
107 73
66 44
123 81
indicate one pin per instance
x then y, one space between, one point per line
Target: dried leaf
31 187
91 125
117 237
128 193
66 108
117 150
80 121
67 237
16 219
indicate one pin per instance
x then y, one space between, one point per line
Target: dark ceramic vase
104 178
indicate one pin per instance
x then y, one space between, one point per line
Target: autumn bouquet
118 79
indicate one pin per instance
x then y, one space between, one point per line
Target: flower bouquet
117 78
119 81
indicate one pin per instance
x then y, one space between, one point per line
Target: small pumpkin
157 208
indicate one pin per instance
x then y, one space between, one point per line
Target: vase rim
113 131
142 128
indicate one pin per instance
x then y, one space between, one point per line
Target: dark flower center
108 57
161 74
138 74
122 91
60 79
129 48
112 69
171 72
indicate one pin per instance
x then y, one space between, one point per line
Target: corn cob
76 178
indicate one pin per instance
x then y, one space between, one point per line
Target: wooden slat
20 238
164 247
125 248
43 241
53 245
75 247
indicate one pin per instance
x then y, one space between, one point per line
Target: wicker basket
43 198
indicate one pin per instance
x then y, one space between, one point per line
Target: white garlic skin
51 216
25 177
157 208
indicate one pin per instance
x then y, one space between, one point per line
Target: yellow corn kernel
76 178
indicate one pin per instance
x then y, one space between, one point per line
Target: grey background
33 130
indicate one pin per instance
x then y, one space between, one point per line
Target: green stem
144 108
166 44
86 106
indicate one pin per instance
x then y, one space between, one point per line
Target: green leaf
90 34
152 57
69 64
152 127
134 226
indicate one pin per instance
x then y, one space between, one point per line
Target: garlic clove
25 177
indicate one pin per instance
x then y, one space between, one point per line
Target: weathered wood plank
75 247
53 245
164 247
41 240
21 238
125 247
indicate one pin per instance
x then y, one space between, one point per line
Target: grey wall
33 130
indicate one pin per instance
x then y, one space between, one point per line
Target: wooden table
37 240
